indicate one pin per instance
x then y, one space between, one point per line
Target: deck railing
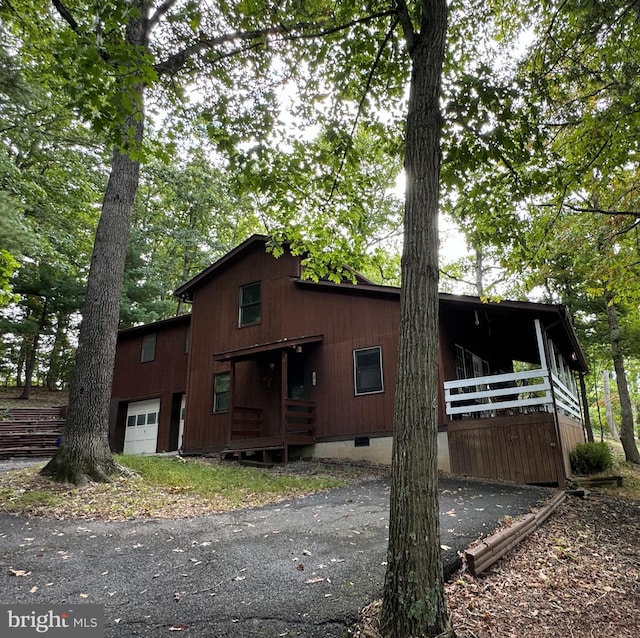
299 417
246 422
492 395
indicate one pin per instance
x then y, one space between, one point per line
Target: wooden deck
523 448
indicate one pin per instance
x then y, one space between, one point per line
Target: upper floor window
367 370
250 305
148 352
187 339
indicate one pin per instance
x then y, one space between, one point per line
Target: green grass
17 501
163 487
234 483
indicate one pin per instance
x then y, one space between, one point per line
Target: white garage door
141 435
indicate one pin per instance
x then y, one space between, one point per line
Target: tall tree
109 58
414 603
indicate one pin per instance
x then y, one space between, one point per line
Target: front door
297 382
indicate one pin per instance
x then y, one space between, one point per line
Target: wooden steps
268 449
28 432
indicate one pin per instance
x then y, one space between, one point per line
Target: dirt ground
38 398
578 576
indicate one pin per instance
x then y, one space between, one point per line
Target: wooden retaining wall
491 549
522 448
30 431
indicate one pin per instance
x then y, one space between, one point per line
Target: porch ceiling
508 326
251 351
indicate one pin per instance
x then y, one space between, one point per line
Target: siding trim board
251 351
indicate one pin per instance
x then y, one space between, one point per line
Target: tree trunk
84 451
53 373
479 269
414 601
608 406
627 434
585 408
32 354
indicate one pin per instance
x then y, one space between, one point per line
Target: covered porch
271 406
520 424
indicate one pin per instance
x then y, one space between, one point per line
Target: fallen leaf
19 572
34 589
300 567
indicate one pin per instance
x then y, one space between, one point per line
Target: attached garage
141 434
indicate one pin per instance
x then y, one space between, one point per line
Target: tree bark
608 406
479 269
59 344
627 435
585 409
414 601
84 452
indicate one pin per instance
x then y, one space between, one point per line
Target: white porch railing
483 397
566 400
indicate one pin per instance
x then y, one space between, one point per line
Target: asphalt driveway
302 568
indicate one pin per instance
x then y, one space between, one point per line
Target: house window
221 392
148 352
250 307
469 365
187 339
367 370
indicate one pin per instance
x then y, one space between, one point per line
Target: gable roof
186 290
554 317
155 325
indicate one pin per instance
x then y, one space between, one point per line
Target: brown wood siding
522 448
161 378
571 433
345 321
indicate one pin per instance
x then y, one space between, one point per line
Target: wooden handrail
299 417
246 422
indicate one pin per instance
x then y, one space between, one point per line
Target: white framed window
148 351
221 392
470 365
367 370
250 311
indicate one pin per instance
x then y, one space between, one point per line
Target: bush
591 458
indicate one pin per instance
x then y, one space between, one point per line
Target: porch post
283 393
544 363
232 398
558 452
541 349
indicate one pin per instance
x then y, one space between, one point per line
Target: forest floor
38 398
577 576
